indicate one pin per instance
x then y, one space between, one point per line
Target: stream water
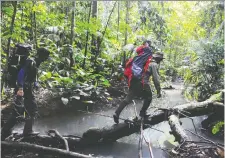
76 123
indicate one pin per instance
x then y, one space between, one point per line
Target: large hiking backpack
138 65
135 67
16 61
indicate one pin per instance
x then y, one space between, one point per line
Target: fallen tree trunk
188 148
177 130
199 108
127 128
41 149
117 131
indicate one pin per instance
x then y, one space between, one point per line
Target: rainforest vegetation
90 42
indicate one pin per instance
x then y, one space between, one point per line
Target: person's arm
26 72
21 78
156 78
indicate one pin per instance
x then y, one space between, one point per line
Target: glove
159 94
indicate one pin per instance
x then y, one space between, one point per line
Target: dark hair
43 53
147 41
158 55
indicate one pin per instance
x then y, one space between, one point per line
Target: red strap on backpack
146 68
140 49
128 70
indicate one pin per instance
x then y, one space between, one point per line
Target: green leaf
7 10
106 83
217 127
48 75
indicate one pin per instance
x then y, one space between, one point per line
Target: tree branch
39 148
58 135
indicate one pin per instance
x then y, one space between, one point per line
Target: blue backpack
139 63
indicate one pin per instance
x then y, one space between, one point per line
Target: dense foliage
88 40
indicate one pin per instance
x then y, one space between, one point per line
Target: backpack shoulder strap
147 63
129 62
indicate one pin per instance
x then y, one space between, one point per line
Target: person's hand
20 92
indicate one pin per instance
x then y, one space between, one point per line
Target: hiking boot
143 115
116 118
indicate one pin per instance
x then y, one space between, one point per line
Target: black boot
116 118
28 127
143 114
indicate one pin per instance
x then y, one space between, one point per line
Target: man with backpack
143 66
145 53
25 69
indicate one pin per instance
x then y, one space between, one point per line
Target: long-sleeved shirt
27 74
154 72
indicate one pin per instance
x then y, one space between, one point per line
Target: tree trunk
87 37
72 33
125 38
162 5
114 132
9 41
127 17
93 40
189 148
21 25
35 28
177 130
118 21
99 43
12 26
41 149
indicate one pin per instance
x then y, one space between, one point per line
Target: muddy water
77 123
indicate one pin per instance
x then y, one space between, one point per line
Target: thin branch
125 120
87 37
87 112
58 135
135 110
216 144
149 147
140 140
39 148
106 27
219 30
